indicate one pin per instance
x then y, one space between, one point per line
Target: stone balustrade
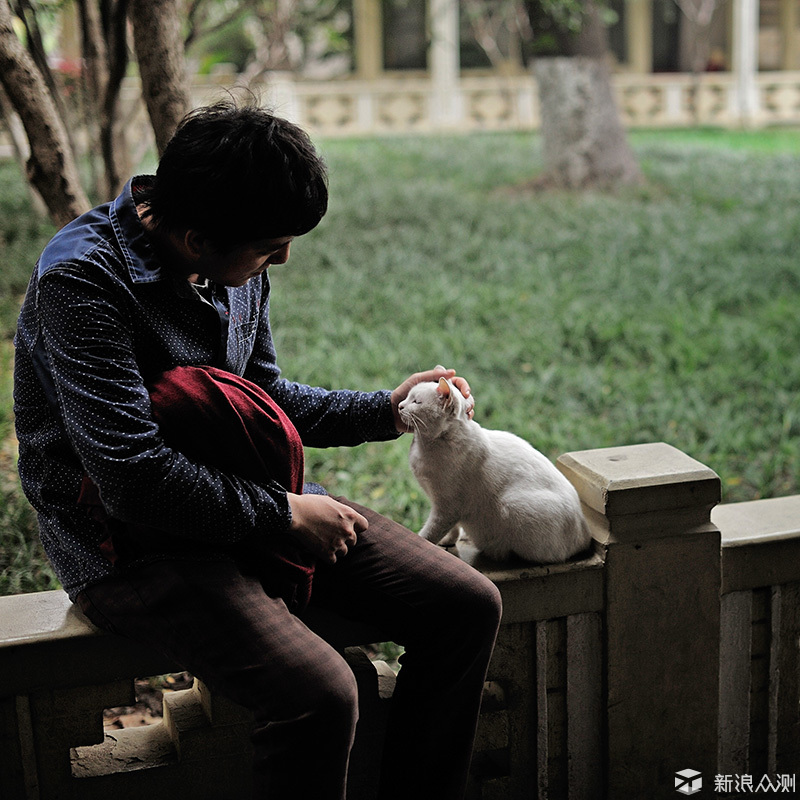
401 105
672 646
494 102
760 637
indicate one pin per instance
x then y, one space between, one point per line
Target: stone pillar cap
641 478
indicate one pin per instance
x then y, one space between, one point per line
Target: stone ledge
40 617
45 641
760 542
533 592
758 521
47 628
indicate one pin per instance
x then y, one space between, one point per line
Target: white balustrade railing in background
340 108
352 107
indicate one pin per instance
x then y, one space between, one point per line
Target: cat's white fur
505 495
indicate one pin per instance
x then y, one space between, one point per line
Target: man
180 552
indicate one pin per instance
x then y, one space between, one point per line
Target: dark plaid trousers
217 622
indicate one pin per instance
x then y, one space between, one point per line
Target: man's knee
483 609
478 600
475 619
339 694
489 603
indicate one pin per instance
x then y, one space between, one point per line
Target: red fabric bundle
225 421
220 419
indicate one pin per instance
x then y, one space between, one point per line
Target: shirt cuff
379 424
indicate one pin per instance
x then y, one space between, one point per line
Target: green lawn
22 563
664 313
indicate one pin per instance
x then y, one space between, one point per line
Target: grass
770 140
23 566
662 313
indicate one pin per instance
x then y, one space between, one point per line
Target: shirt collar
140 259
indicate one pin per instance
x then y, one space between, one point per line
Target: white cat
505 495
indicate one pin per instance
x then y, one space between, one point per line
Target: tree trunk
19 146
159 49
93 82
105 53
26 14
51 167
583 141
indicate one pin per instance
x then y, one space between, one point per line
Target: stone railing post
650 507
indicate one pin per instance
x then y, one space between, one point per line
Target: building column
639 35
444 60
789 17
368 30
745 58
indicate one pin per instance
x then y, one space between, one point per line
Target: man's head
237 174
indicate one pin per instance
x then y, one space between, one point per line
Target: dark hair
239 174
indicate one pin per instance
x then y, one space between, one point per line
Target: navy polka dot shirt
100 318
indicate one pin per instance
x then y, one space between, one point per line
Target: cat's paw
430 535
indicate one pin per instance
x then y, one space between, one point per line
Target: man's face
237 266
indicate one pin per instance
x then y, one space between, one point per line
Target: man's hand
323 526
401 392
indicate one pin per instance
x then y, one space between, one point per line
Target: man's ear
194 243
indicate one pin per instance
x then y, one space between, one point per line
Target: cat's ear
444 389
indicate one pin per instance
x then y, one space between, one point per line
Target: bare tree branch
51 167
158 43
